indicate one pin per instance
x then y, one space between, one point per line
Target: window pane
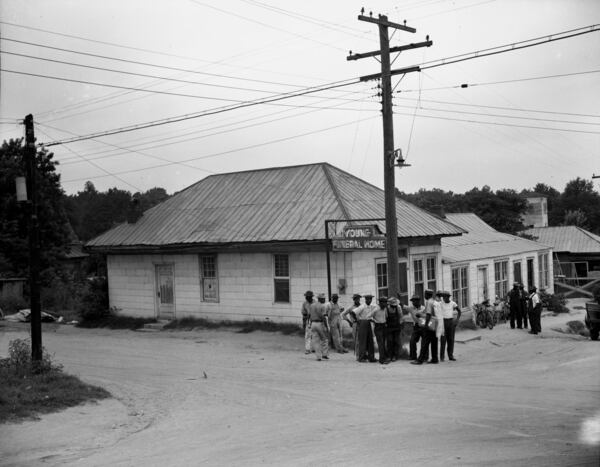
282 290
282 266
209 268
431 275
418 270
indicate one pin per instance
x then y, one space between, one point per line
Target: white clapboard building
247 245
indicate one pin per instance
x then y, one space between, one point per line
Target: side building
247 245
484 263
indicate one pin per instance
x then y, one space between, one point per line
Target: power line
200 114
503 124
511 47
171 138
572 122
131 73
208 156
136 62
517 80
516 109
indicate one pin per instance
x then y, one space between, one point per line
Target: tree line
578 204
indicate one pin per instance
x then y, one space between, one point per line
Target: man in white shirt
364 335
451 315
535 312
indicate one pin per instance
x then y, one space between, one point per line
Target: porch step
154 327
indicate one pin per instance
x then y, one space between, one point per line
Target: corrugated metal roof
567 238
277 204
482 241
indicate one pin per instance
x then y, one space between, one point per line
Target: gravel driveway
188 398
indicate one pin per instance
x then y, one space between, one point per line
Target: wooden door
165 291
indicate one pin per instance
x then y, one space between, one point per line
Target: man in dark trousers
524 305
535 312
305 310
379 323
393 329
514 301
364 336
451 314
429 336
415 316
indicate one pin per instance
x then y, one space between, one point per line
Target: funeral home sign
364 237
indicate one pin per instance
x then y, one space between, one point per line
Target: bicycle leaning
484 315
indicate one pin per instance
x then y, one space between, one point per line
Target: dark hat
383 298
429 291
308 293
446 293
439 293
356 295
417 297
533 289
335 295
516 284
368 295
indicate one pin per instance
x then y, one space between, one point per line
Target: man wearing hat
364 336
514 301
429 330
335 323
451 316
535 312
318 327
393 329
415 318
350 317
305 310
379 319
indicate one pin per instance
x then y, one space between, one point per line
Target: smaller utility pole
34 241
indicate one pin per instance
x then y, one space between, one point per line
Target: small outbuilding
247 245
576 257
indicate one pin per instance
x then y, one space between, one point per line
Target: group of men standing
525 305
385 322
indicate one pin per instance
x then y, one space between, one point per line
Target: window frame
460 284
205 278
281 279
543 270
501 284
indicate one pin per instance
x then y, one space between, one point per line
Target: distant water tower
537 212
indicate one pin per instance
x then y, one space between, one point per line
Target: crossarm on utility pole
383 21
399 48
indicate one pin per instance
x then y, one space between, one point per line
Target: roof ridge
588 234
336 193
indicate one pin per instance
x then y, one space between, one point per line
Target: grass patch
115 322
28 389
244 327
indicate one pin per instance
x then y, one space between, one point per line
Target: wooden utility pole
34 241
389 160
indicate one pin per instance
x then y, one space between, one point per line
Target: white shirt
535 299
448 309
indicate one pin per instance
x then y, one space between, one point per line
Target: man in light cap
305 310
429 330
318 327
393 329
335 323
451 315
415 317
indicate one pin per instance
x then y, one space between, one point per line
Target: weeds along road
224 398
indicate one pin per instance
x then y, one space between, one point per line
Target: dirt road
223 398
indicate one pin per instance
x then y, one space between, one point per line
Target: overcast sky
211 55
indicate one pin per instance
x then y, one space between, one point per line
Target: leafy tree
502 209
577 218
53 223
579 194
92 212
